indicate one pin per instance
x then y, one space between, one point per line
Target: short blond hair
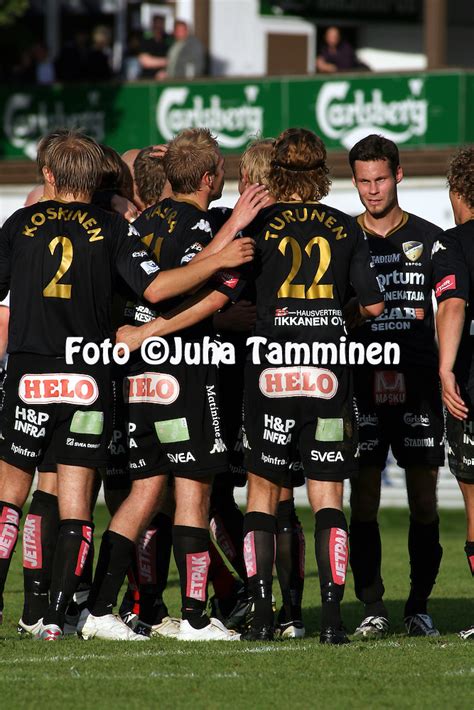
76 162
255 161
193 153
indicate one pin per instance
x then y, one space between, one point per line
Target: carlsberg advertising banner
422 110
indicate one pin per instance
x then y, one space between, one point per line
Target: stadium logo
298 382
233 125
153 387
65 388
349 117
26 119
412 250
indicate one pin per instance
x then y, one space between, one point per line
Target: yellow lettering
79 216
279 223
318 215
288 215
90 223
29 231
95 234
64 214
269 235
341 234
52 214
301 217
38 219
330 222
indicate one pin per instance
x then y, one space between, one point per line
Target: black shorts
401 409
55 413
460 435
174 423
116 475
231 391
300 413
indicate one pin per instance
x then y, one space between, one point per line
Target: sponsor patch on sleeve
446 284
149 267
227 278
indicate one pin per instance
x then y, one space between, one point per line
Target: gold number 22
288 289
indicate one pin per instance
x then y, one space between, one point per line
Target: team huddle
282 273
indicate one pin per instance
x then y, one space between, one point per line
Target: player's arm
4 261
249 204
451 279
190 312
150 61
450 323
368 302
184 279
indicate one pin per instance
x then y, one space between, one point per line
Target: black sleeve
137 268
363 275
450 269
4 261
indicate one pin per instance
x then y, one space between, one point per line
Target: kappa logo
66 388
153 387
412 250
298 382
203 225
132 231
437 246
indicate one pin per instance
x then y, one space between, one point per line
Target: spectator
72 62
98 58
44 67
153 51
187 56
337 54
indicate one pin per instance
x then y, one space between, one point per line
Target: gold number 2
55 289
288 289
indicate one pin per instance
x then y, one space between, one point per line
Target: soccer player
453 261
59 259
399 406
174 422
307 255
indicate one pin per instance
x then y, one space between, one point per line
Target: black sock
153 559
259 555
9 525
290 547
425 556
469 550
366 561
70 556
227 525
115 554
191 552
331 556
40 534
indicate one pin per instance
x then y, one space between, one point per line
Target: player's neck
69 197
200 199
383 224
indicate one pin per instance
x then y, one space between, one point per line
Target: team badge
412 250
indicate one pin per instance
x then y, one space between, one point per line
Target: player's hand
127 209
159 151
352 315
238 252
241 316
452 397
130 335
249 204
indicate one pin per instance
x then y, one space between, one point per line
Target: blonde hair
193 153
76 162
255 161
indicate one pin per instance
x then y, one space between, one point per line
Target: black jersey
175 231
403 261
60 261
453 263
307 257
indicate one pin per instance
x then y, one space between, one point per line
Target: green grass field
394 673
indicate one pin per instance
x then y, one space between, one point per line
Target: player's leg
467 489
227 521
75 491
331 548
366 551
260 527
15 484
424 548
40 534
290 554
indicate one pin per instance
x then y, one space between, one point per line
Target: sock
191 552
259 555
290 549
425 556
227 525
366 562
469 550
70 556
331 556
9 525
40 534
114 559
153 561
222 579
